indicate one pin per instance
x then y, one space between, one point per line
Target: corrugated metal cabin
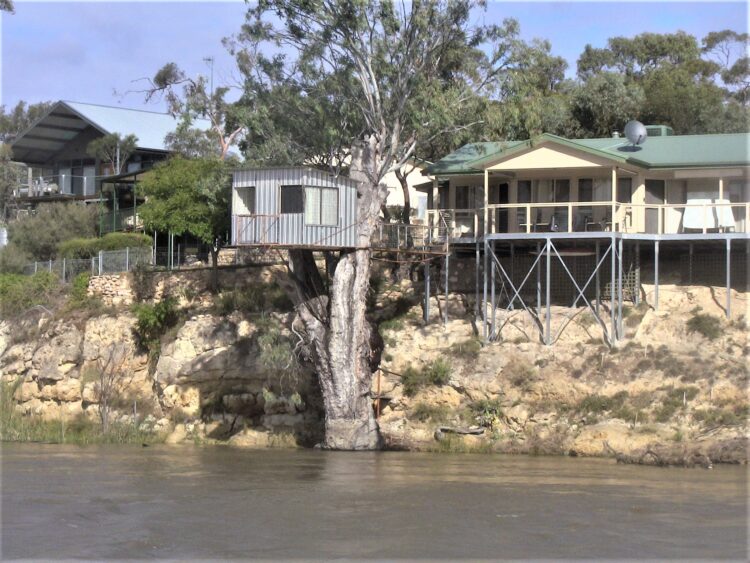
295 206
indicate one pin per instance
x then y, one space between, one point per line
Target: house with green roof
671 184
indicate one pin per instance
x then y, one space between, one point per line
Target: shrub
486 412
599 403
468 349
520 372
705 325
434 373
426 413
88 247
153 321
256 298
13 259
40 234
20 293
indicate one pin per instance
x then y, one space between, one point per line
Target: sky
97 51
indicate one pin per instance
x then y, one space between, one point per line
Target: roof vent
615 134
659 130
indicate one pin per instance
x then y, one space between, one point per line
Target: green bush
88 247
40 234
468 349
596 403
79 289
706 325
434 373
153 321
19 293
13 259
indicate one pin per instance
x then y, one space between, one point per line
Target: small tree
113 149
6 6
111 380
190 196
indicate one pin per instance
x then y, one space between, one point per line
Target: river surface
214 502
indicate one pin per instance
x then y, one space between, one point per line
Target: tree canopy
113 149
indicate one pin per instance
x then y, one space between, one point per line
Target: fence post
50 266
92 266
35 266
101 255
63 271
127 259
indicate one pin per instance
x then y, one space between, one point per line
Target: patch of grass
435 373
455 444
468 349
705 325
717 417
520 372
429 413
20 293
254 298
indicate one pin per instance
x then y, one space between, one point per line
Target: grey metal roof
65 120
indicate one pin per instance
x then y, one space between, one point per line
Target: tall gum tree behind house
189 197
394 54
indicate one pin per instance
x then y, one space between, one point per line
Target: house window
561 191
321 206
464 197
292 199
624 190
524 191
586 189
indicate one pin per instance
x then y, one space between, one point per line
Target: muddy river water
213 502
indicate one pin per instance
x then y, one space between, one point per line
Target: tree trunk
338 330
214 269
406 212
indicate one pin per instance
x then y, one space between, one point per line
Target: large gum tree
369 78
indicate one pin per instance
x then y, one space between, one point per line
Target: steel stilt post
548 320
729 278
538 281
619 289
476 281
447 258
427 265
598 284
690 263
612 296
512 265
637 295
484 294
656 275
492 292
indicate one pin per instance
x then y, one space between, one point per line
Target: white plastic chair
697 216
724 215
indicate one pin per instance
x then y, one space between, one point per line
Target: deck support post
492 292
729 278
656 275
427 289
476 281
548 320
690 263
512 265
598 283
619 289
447 263
484 294
612 296
538 280
637 295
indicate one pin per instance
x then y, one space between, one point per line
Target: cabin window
245 201
292 199
465 198
586 189
321 206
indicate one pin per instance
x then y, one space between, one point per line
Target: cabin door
499 195
655 195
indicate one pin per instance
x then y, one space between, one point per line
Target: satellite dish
636 132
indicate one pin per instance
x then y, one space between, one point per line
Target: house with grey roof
54 148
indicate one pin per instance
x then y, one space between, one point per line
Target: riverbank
230 369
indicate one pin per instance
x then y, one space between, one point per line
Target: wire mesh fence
106 262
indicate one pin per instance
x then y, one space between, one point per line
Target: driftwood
442 430
650 456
